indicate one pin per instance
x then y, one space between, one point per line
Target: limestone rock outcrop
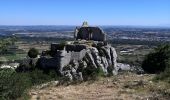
93 60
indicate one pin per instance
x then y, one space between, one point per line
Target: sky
95 12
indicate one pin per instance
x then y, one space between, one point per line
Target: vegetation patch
33 53
158 60
14 85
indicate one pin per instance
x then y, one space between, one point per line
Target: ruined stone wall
64 57
78 55
91 33
67 53
75 47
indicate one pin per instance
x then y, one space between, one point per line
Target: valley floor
126 86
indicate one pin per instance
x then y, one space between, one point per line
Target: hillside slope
127 86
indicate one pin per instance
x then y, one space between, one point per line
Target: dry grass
122 87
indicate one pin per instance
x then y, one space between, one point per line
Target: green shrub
13 85
33 53
91 73
164 76
157 61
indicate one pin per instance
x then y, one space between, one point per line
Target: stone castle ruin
89 51
89 33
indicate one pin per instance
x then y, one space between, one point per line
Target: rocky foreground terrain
126 86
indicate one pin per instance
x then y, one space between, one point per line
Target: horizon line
166 26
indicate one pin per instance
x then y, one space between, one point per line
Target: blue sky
74 12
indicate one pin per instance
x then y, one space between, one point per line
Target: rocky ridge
101 58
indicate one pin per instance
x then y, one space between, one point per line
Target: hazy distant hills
114 32
9 30
36 28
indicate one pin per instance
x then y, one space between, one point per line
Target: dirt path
122 87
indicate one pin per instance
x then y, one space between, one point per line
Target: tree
33 53
5 43
157 61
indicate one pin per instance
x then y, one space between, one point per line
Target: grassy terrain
126 86
12 57
134 57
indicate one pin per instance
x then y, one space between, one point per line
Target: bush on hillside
165 76
157 61
13 85
33 53
91 73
